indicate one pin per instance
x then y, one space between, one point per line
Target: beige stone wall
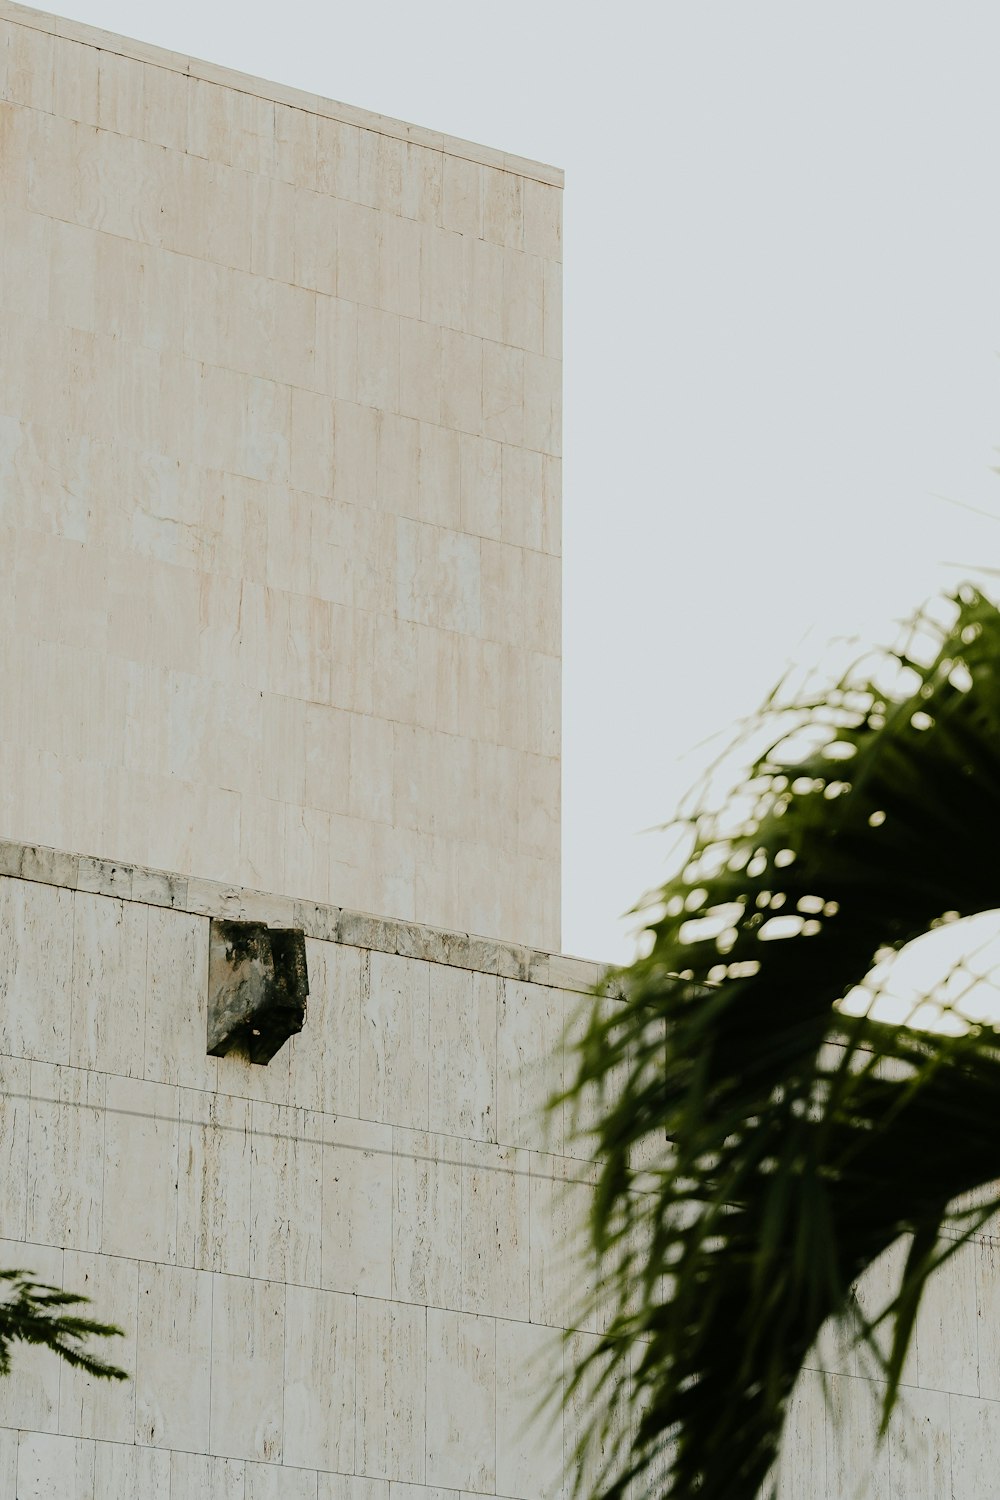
279 488
342 1276
944 1439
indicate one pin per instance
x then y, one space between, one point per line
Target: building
279 508
279 505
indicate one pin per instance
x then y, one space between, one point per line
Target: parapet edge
215 898
348 114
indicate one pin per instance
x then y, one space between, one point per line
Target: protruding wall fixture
257 988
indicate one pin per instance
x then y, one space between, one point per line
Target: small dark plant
33 1313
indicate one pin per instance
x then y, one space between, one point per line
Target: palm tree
31 1312
760 1144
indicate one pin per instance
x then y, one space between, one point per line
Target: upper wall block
279 488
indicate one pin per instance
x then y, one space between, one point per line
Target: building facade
280 466
340 1273
279 513
280 528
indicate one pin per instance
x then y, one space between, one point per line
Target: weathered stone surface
213 1201
106 877
538 968
365 931
36 965
416 941
248 1345
157 888
317 1286
317 920
530 1023
482 954
567 973
211 898
51 866
382 730
461 1419
257 988
530 1459
324 1071
514 962
463 1053
109 980
395 1041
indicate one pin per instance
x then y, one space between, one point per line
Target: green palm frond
33 1313
760 1146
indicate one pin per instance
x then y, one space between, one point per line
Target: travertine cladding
944 1439
342 1276
341 1272
279 488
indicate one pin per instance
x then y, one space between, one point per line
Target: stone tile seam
460 432
198 896
545 453
318 292
394 1301
85 651
438 630
266 177
297 286
252 1463
261 1463
531 1173
904 1385
277 93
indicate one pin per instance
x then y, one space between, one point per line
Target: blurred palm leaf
32 1312
760 1147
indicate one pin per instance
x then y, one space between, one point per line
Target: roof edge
278 93
336 924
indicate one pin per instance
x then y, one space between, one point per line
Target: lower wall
344 1276
342 1272
944 1439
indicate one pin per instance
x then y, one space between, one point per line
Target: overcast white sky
782 327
